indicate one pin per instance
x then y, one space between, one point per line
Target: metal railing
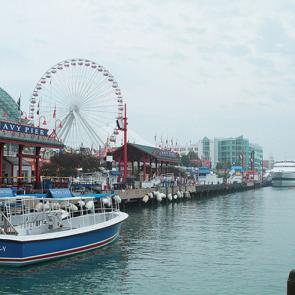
8 228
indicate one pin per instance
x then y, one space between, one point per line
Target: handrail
8 228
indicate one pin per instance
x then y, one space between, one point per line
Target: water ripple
241 243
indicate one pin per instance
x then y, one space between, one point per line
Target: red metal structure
147 155
125 144
17 131
22 142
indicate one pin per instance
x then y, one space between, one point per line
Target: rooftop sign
27 129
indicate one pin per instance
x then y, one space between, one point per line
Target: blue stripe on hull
22 253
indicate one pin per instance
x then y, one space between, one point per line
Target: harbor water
241 243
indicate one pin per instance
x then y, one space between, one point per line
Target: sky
187 69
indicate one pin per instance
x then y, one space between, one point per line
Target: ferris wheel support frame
90 129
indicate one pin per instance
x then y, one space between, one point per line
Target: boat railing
29 214
8 228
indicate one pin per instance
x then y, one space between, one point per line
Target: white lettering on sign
23 128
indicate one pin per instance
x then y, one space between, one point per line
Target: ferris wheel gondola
84 96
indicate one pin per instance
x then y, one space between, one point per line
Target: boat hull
283 179
20 253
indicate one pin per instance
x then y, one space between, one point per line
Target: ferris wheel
80 101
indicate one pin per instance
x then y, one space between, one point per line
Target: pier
138 196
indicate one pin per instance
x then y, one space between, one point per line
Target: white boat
283 174
34 229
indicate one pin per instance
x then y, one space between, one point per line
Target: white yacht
283 174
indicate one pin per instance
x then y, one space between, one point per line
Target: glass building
239 151
232 151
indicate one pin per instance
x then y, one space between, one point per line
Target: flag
54 112
18 102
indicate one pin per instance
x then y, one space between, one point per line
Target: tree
192 155
185 161
66 164
219 166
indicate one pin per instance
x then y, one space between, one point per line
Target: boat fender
156 193
151 195
107 202
159 198
73 207
64 214
46 206
118 199
81 204
170 197
175 197
110 201
63 205
90 206
39 207
54 206
145 199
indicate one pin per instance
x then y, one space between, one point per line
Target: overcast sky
187 69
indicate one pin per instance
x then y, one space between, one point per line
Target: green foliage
186 160
66 164
227 165
219 166
192 155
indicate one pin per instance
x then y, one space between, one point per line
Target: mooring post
291 283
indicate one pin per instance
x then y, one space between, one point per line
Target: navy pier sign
27 129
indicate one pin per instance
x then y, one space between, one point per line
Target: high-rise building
231 151
206 149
